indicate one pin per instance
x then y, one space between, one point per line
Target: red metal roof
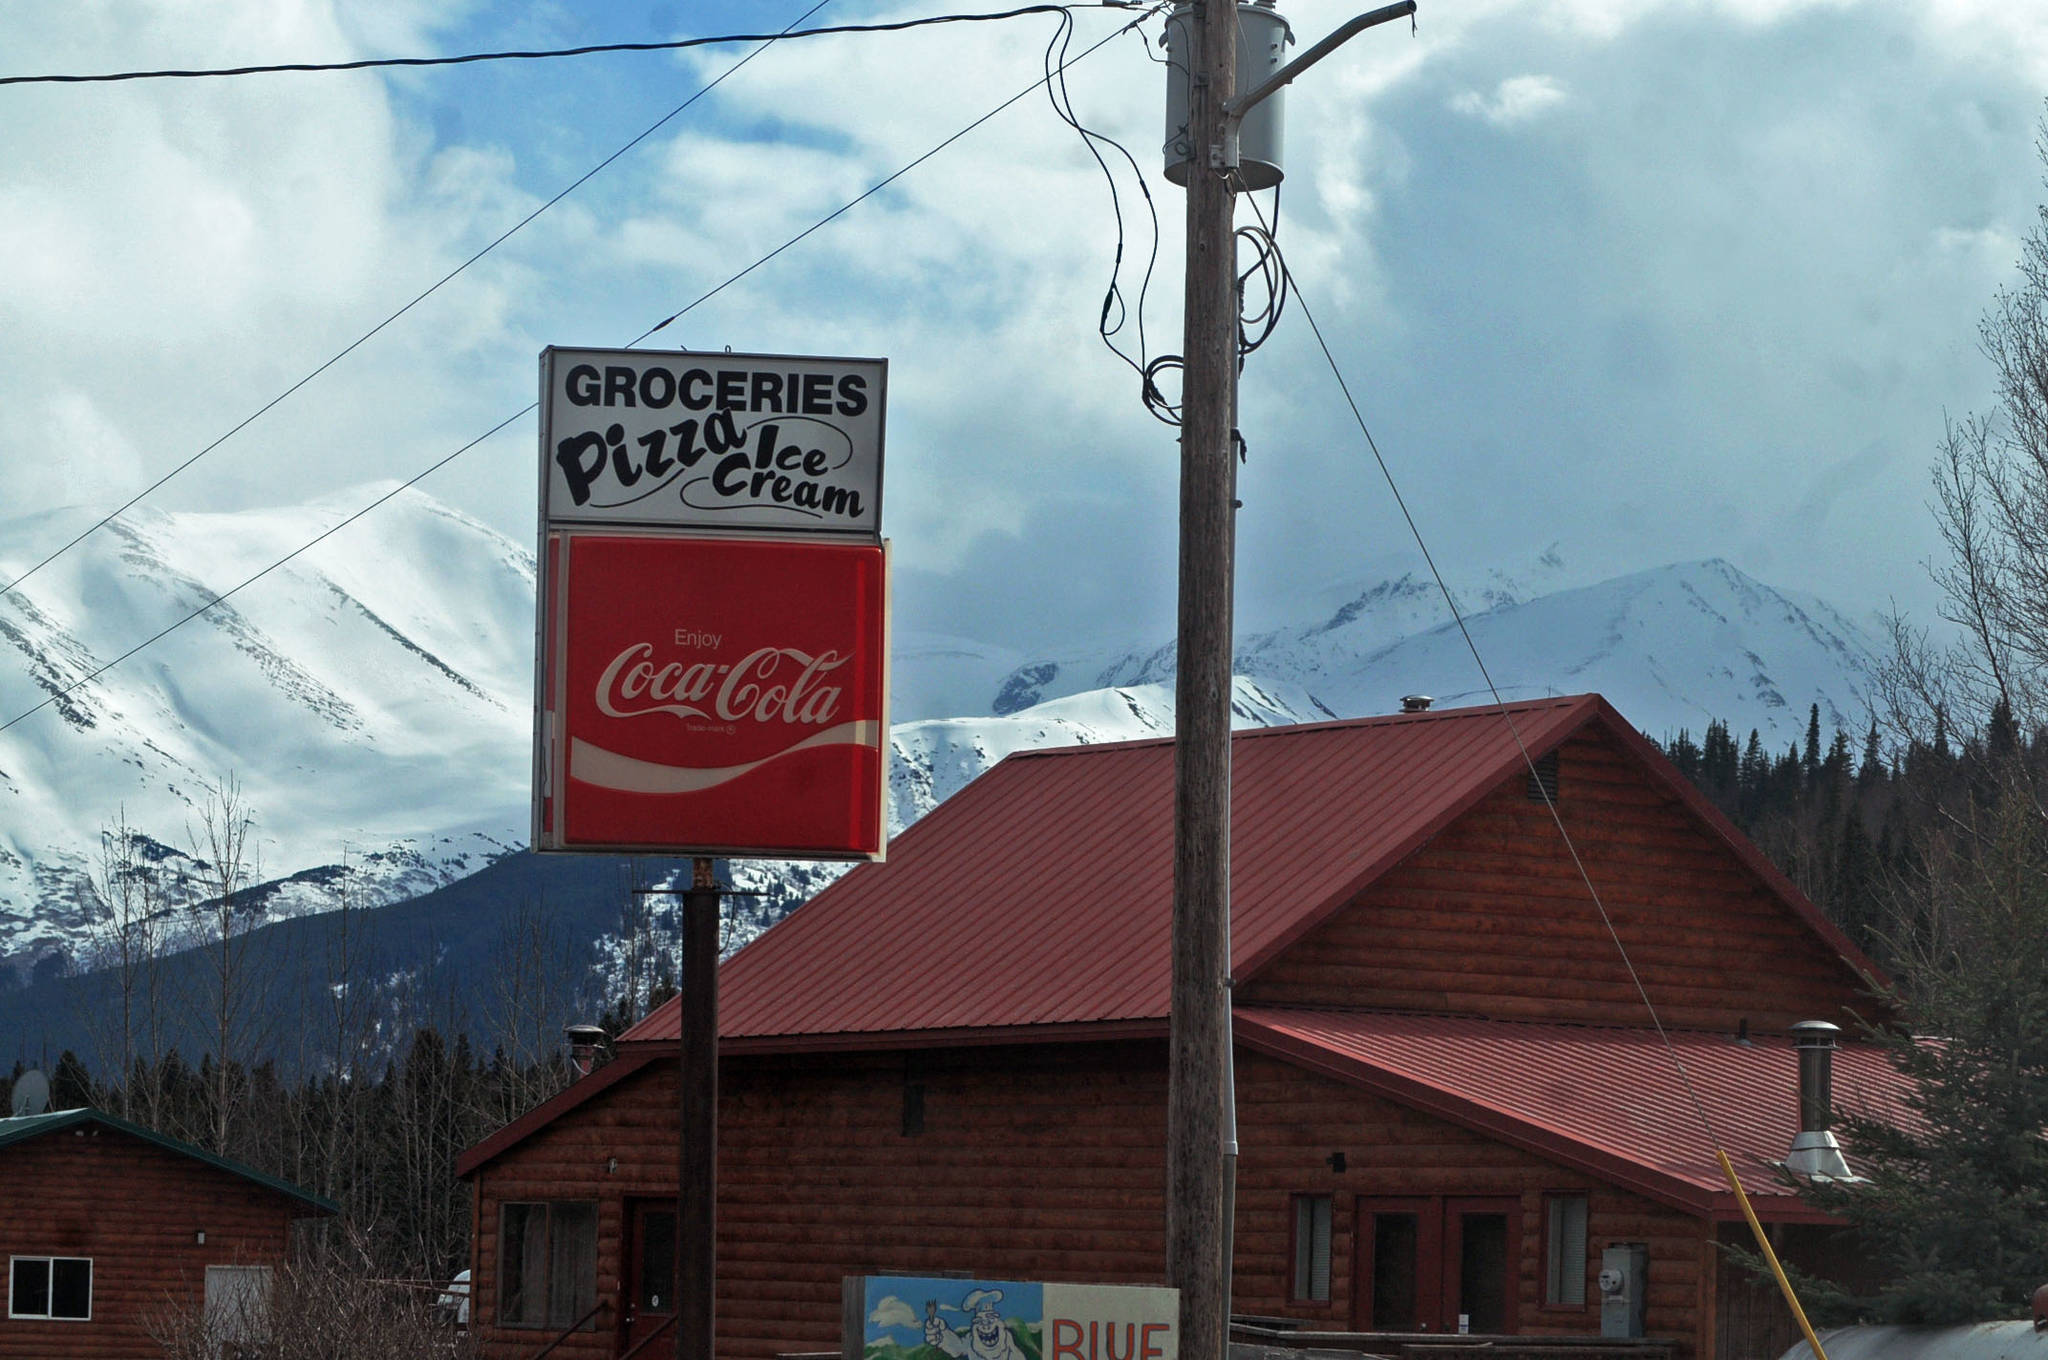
1041 894
1608 1101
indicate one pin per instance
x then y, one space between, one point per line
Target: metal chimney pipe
1815 1153
585 1041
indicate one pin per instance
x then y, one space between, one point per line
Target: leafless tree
1991 505
126 947
530 995
336 1308
225 866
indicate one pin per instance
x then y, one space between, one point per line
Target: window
1564 1251
237 1306
1311 1249
57 1287
547 1264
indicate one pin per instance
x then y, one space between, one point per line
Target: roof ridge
1466 714
1676 1031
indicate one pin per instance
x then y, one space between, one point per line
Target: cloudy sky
1645 281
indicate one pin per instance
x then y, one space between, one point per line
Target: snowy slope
373 695
1673 648
369 696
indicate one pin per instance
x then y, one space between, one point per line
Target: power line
543 54
248 581
1536 782
67 690
882 184
346 350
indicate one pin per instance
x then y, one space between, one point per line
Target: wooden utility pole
1201 854
1201 1115
697 1092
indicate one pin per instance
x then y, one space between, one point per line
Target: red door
1433 1264
1399 1286
650 1283
1482 1250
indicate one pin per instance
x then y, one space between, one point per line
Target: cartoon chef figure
984 1338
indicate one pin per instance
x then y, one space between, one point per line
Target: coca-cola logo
768 685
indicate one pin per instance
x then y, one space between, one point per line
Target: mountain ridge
374 695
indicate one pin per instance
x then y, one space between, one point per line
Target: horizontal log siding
1290 1122
1033 1164
1491 918
134 1208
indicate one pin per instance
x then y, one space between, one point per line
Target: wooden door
1482 1258
1399 1286
1426 1263
650 1277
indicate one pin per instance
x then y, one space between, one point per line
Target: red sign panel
714 696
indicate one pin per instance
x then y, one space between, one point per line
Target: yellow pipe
1728 1169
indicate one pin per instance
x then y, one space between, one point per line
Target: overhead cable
543 54
67 690
1537 783
435 287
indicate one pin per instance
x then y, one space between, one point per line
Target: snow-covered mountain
372 696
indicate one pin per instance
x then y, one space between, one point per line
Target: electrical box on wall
1624 1283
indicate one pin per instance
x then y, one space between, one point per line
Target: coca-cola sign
786 443
713 696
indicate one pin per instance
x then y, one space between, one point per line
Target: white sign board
757 442
907 1317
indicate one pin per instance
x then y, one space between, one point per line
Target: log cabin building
1451 1097
112 1232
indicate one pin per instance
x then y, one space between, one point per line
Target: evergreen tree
1956 1204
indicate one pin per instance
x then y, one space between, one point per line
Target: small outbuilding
109 1229
1454 1111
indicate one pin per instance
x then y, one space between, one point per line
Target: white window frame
50 1289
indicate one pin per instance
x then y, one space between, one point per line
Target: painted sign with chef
907 1317
784 443
712 695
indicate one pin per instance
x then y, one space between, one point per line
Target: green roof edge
23 1127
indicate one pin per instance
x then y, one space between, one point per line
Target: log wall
135 1209
1491 918
1033 1164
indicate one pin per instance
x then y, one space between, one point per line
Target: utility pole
1199 1047
697 1123
696 1239
1201 1106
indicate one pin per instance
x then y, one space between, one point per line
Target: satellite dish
31 1093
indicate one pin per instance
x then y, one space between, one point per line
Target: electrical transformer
1262 38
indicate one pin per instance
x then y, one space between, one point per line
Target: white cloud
893 1312
1515 100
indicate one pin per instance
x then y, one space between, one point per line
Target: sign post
711 673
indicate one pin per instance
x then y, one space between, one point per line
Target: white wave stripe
609 770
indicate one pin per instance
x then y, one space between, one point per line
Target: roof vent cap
1416 703
1815 1153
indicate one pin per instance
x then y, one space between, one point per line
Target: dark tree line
1848 820
354 1067
382 1145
